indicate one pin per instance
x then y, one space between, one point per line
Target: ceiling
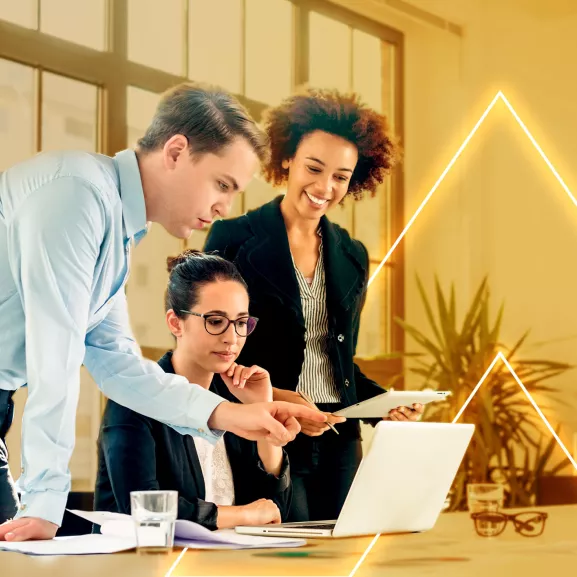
456 11
462 11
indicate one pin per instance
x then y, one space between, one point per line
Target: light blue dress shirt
68 221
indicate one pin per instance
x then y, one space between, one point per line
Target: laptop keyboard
314 526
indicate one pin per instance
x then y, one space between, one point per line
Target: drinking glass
486 498
154 514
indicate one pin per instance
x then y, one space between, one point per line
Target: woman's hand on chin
248 384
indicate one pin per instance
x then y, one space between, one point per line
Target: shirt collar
132 195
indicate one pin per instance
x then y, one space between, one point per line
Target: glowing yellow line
175 564
501 357
487 372
435 186
498 96
368 550
538 148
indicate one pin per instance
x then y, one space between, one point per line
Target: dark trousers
322 470
8 495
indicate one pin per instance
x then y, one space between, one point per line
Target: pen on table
306 398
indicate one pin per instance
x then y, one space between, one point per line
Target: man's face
197 189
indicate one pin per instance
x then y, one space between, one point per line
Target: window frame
112 73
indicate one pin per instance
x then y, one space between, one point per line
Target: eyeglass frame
230 321
506 517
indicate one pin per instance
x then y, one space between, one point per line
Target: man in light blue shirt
68 221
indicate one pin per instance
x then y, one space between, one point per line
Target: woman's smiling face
319 173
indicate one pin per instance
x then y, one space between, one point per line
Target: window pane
330 53
16 113
388 77
156 34
259 192
237 208
343 215
147 282
69 114
370 223
82 22
373 326
197 239
83 463
215 42
21 12
14 436
141 105
268 50
367 68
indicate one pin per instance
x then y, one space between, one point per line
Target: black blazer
258 244
137 453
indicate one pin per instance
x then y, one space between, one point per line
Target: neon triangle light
498 96
501 357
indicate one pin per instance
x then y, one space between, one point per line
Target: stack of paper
81 545
187 533
117 534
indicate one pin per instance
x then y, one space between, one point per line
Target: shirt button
341 338
201 431
347 382
22 507
22 470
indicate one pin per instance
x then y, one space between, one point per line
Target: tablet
379 406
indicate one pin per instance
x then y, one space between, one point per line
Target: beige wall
530 242
500 211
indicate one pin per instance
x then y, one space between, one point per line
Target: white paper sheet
81 545
188 534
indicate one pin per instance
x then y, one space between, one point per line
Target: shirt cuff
47 505
209 403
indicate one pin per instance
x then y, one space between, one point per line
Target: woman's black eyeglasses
218 324
493 523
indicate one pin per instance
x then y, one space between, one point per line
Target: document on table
188 534
117 534
81 545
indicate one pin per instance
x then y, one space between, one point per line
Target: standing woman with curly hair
307 280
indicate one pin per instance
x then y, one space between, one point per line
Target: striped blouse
317 378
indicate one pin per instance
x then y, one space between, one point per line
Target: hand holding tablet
380 406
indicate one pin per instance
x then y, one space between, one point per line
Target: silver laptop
401 485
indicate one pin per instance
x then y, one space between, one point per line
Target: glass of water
154 514
486 498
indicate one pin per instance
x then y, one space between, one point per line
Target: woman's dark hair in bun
191 270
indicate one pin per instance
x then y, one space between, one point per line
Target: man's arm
53 243
114 360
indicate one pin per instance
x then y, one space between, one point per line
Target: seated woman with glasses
235 481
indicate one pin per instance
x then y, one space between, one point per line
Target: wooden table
452 549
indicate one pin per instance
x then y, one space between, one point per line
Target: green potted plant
511 444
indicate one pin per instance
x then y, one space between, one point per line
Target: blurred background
87 74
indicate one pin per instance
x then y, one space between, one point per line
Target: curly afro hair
343 115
